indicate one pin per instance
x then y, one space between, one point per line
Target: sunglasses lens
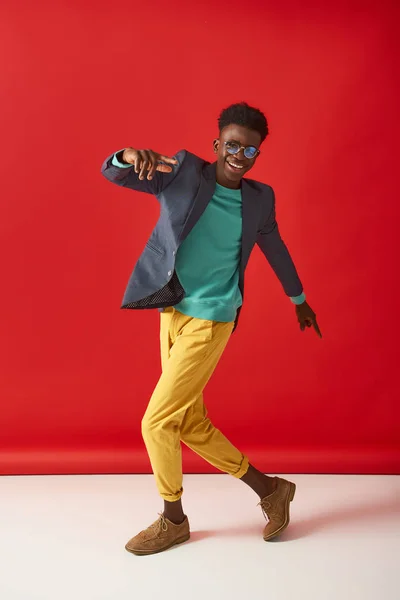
232 148
250 152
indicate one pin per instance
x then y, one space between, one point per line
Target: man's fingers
145 164
153 165
150 162
164 168
167 159
152 169
317 328
138 162
308 323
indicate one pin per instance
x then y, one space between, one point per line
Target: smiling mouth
235 166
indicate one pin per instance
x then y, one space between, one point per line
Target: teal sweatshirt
207 262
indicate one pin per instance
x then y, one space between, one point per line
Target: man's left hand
306 317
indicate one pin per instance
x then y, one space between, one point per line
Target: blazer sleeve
274 249
126 177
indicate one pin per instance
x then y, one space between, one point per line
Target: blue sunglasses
235 147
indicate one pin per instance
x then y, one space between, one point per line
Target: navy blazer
183 195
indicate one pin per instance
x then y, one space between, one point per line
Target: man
192 270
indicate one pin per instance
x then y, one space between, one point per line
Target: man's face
228 174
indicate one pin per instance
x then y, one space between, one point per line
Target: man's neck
233 185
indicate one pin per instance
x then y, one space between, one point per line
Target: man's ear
216 145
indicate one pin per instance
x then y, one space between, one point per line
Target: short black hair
247 116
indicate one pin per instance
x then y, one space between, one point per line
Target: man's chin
233 174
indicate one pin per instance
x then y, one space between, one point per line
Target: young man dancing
192 270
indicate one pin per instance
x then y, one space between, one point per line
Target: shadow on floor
301 528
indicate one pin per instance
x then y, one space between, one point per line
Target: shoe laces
161 524
269 510
265 505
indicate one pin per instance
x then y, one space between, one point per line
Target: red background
80 80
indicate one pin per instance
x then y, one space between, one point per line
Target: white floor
63 537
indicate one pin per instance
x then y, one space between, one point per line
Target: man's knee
154 426
147 426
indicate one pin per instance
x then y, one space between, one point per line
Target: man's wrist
120 156
118 161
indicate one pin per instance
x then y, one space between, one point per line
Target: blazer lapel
251 214
204 194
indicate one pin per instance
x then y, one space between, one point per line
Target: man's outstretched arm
142 170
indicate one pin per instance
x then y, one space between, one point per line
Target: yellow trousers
190 350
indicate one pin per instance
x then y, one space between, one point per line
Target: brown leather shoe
276 507
161 535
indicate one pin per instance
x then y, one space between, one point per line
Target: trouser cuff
243 468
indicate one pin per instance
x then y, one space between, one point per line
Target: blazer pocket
154 248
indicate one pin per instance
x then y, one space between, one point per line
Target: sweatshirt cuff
298 299
119 164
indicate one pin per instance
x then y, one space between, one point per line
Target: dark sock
260 483
174 511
